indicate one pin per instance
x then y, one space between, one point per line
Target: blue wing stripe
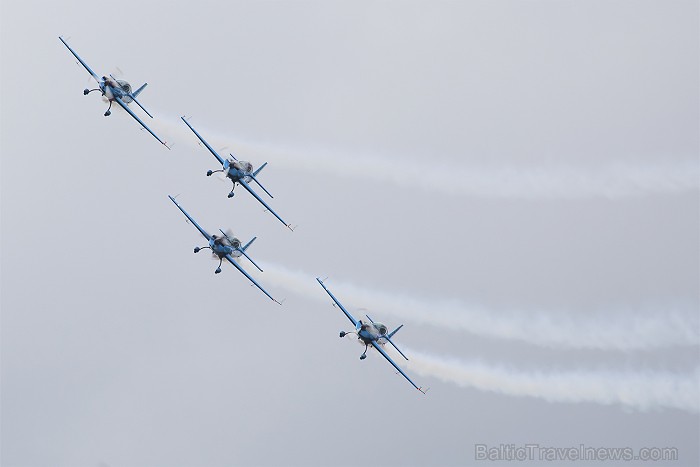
201 230
250 190
347 313
125 107
97 78
381 351
230 260
218 157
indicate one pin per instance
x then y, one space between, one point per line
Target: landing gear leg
218 269
197 249
88 91
364 354
109 112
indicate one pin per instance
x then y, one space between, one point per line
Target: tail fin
133 97
245 247
259 169
138 91
388 337
394 331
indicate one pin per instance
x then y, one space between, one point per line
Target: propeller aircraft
225 247
116 90
240 172
372 333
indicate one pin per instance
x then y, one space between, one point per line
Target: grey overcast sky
515 181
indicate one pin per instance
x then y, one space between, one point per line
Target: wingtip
321 281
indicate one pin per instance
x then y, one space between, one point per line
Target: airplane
372 333
116 90
225 247
240 172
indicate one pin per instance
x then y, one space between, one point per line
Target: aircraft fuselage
240 170
369 332
222 247
115 88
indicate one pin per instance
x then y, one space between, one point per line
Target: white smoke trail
605 331
639 390
616 180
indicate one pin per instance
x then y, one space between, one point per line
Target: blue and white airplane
225 247
116 90
372 333
240 172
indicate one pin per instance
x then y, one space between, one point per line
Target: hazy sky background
515 181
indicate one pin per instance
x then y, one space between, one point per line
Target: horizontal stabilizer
251 260
133 97
244 248
260 185
394 345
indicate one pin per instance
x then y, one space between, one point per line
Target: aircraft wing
97 78
218 157
347 313
130 112
231 260
381 351
201 230
250 190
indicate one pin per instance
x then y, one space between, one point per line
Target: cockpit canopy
244 166
381 329
125 86
226 241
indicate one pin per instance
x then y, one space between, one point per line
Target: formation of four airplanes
226 247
